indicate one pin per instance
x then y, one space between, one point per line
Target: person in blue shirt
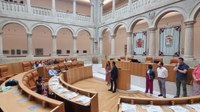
181 77
52 72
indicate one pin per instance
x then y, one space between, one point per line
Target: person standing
108 68
162 75
181 77
114 76
196 80
150 75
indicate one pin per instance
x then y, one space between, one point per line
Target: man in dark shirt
181 77
114 76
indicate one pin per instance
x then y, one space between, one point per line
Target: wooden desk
124 76
72 76
139 69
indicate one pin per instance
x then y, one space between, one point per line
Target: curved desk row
56 106
76 99
11 69
184 102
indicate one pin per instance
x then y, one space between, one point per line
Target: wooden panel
123 81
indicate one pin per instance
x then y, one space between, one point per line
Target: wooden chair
173 61
122 58
62 66
26 66
4 72
148 60
158 59
129 58
94 60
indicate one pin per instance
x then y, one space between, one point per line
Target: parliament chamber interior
99 56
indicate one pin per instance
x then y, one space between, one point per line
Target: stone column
152 42
53 8
92 12
100 46
189 39
92 46
129 43
113 8
129 5
29 44
101 11
112 45
74 45
1 44
29 6
54 47
74 8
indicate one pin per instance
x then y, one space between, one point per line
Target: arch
195 12
83 29
64 27
117 26
15 22
134 22
104 29
40 24
167 10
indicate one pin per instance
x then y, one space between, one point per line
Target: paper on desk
153 108
70 95
196 107
125 107
83 99
178 109
62 90
53 83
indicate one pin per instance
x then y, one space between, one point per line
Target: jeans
178 85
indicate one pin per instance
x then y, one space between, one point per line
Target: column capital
113 36
129 34
54 36
29 34
152 28
74 36
189 22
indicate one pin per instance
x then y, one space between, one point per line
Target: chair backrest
26 66
158 59
173 61
130 58
62 66
3 70
148 60
123 58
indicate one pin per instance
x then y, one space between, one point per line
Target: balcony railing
136 7
12 7
41 11
17 9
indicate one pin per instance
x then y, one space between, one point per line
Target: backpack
11 83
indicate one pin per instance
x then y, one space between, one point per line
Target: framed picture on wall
12 52
59 51
84 51
24 52
5 51
68 51
18 51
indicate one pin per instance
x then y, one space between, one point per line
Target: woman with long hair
108 68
